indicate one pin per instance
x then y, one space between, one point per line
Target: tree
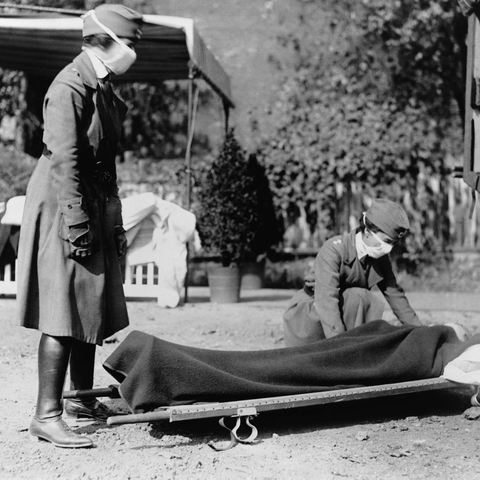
374 105
227 211
157 118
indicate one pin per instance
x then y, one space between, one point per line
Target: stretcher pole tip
475 400
139 418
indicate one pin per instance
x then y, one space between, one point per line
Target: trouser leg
361 306
301 324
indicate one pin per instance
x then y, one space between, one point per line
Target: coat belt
99 176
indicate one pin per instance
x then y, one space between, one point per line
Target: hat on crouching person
389 217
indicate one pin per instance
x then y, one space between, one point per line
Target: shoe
88 410
56 431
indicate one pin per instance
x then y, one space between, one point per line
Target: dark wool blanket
155 373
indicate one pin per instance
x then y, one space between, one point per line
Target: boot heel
34 439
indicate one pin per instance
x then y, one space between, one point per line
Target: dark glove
120 241
80 238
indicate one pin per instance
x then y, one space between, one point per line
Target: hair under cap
123 21
389 217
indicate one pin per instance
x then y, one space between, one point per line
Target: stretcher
243 411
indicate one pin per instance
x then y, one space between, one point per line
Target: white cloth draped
158 231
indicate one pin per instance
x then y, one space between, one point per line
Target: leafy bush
164 178
227 210
16 168
374 106
157 117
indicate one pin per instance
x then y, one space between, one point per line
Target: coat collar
111 118
85 69
350 248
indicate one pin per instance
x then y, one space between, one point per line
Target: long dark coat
74 182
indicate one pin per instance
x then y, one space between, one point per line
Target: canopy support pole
192 110
226 110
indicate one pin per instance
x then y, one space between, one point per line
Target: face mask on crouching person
391 223
376 251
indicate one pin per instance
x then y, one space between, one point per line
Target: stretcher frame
247 409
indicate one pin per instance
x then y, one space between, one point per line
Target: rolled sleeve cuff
332 330
73 211
414 320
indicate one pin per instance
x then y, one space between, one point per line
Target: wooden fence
141 281
445 217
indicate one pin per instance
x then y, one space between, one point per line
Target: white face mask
121 57
377 251
380 250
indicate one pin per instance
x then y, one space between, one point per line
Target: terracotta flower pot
224 283
253 275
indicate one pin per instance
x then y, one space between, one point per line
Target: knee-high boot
47 424
82 367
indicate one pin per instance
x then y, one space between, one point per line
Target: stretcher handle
139 418
475 400
110 391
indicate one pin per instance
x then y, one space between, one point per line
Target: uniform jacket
338 268
74 182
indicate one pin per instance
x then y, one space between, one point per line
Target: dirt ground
417 436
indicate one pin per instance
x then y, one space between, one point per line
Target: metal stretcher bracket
243 413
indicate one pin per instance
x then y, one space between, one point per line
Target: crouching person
336 296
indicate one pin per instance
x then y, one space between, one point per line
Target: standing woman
70 283
336 296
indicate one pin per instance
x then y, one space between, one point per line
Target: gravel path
418 436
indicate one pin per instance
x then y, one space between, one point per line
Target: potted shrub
227 217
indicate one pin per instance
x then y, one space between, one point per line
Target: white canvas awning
43 44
